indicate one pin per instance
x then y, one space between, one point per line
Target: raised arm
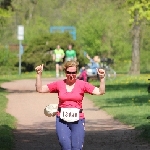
39 87
101 89
88 57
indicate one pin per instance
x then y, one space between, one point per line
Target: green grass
127 100
27 75
8 122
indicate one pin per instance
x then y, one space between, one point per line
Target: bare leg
57 70
60 69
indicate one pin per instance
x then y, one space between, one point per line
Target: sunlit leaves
4 13
139 7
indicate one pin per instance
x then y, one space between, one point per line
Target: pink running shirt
71 99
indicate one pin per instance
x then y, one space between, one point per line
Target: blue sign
21 49
70 29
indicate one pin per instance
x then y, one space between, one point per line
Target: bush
40 49
8 61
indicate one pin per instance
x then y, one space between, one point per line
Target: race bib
58 56
69 114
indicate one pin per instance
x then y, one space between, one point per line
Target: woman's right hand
39 69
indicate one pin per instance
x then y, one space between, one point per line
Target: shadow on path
46 139
35 132
43 137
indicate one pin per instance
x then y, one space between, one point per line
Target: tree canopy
139 11
105 28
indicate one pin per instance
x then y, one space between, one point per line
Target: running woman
70 54
70 119
58 58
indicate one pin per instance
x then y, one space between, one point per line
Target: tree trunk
135 64
31 10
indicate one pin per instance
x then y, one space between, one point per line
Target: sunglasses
68 72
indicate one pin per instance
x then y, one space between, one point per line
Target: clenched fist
101 73
39 69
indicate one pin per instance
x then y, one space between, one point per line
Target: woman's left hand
39 69
101 73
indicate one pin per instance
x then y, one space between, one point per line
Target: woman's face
71 73
70 47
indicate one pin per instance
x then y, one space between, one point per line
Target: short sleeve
63 52
53 87
88 88
66 52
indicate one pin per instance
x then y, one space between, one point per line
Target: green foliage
4 13
8 60
106 34
7 122
4 16
145 50
91 34
40 49
139 11
140 7
102 27
40 26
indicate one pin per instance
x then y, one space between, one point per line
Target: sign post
20 37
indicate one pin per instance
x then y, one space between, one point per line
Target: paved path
35 131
